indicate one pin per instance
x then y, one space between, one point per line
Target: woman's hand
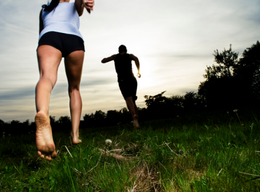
89 4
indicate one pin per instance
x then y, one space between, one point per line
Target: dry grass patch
144 179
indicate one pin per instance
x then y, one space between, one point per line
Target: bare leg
49 59
73 64
133 110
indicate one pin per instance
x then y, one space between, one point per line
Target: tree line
231 83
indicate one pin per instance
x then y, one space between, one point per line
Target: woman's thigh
49 59
73 66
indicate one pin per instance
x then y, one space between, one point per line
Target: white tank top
63 19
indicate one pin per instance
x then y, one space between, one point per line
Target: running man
126 79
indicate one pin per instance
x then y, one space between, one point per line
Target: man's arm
111 58
137 63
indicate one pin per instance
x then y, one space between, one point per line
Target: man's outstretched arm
111 58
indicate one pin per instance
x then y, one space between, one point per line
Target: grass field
180 154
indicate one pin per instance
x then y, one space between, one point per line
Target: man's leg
133 110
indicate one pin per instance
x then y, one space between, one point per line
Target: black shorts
66 43
128 88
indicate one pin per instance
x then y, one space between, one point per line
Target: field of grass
179 154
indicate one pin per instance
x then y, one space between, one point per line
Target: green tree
88 120
248 71
2 126
156 105
154 101
64 120
2 123
227 62
52 119
99 115
191 100
220 88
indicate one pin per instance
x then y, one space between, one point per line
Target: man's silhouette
126 79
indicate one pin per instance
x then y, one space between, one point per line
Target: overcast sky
174 41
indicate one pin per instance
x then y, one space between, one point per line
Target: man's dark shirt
123 67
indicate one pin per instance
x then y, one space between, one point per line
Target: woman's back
64 19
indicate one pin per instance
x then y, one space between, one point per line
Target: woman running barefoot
59 37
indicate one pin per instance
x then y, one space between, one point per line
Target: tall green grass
214 154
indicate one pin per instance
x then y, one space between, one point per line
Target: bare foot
75 138
135 122
44 140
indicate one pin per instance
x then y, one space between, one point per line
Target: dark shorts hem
66 43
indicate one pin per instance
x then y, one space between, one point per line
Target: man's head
122 49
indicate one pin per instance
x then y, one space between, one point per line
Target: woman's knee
50 80
73 89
